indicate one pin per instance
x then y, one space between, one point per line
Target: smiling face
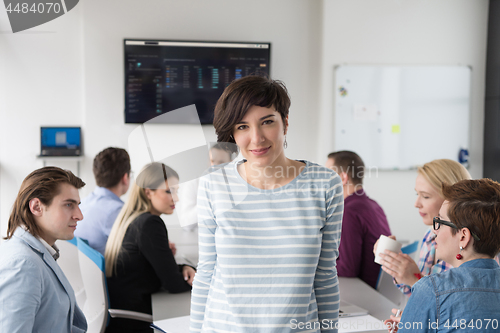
59 219
164 198
260 136
447 244
428 200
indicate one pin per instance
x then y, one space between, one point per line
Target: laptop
60 141
350 310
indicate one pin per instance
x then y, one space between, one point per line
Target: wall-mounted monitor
165 75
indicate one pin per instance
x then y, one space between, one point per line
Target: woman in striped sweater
269 226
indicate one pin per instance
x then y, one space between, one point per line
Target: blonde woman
139 261
430 197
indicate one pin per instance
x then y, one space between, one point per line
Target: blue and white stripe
267 257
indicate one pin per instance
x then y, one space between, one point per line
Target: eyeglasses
436 223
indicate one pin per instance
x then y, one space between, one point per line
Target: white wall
70 72
85 53
292 27
423 32
41 84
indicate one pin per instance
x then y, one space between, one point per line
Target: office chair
85 269
385 284
68 253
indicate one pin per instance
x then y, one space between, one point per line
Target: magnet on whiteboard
463 157
343 91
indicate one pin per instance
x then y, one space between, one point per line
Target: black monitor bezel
146 40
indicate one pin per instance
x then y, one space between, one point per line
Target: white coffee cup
386 243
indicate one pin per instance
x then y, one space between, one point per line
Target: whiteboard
399 117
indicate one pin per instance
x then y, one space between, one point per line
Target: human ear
147 191
465 237
344 177
286 124
36 207
126 179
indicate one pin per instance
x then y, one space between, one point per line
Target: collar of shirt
357 194
104 192
481 263
429 237
53 250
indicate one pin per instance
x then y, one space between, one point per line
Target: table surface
352 290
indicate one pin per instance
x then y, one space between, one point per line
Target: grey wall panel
491 156
492 139
493 51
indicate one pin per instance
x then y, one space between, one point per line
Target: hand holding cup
386 243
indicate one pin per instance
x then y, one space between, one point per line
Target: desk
355 291
166 305
352 290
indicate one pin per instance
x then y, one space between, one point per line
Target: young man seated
112 175
363 221
34 292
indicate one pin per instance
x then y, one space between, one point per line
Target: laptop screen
60 138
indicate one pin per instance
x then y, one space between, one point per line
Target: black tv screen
163 75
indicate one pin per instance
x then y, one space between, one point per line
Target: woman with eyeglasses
465 298
430 178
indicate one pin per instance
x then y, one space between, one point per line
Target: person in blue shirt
112 175
465 298
35 295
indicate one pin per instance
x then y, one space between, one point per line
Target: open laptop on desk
350 310
60 141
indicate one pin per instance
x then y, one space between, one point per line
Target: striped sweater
267 257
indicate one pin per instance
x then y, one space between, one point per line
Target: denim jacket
463 299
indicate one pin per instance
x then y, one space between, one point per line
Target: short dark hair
110 165
241 95
350 163
43 184
475 204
